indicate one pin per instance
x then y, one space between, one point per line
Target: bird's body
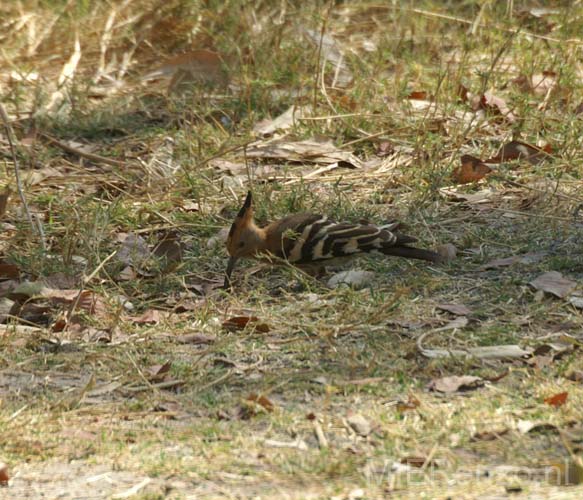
310 238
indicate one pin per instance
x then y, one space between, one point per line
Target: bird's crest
243 220
247 206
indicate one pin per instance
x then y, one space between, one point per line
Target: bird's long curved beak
229 271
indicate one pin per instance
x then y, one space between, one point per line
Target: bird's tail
412 253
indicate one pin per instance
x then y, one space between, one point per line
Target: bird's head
245 238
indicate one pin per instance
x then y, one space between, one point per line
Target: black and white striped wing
318 238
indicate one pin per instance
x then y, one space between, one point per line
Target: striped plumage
309 238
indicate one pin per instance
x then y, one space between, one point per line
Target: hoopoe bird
310 238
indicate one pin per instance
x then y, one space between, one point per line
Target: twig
575 41
368 137
86 280
322 441
82 154
345 115
215 382
167 384
140 372
420 340
10 136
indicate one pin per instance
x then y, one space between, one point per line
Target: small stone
359 424
447 252
218 239
355 278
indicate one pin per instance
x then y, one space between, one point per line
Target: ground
128 371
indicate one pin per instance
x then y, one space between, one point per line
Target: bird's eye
241 244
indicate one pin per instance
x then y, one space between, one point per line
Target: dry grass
80 411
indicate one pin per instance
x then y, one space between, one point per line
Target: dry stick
82 154
505 46
167 384
140 372
215 382
75 303
361 139
9 134
318 59
420 340
320 436
461 20
345 115
542 191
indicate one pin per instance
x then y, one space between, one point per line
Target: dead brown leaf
4 476
418 462
87 301
148 317
471 170
575 375
527 258
419 95
4 200
240 322
516 150
157 373
317 150
9 271
488 435
457 309
196 338
553 282
455 384
557 399
493 103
